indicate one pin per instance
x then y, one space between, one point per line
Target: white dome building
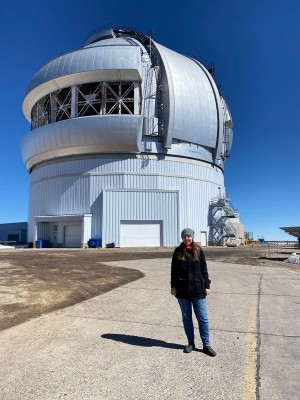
127 143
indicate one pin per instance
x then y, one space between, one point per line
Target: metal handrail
118 28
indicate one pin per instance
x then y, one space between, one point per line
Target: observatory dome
123 119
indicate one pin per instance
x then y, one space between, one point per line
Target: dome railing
118 29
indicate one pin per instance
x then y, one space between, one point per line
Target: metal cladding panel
43 231
119 41
107 63
87 228
193 111
69 195
191 150
76 186
14 228
86 135
140 205
229 124
108 164
89 59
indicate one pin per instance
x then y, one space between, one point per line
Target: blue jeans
199 306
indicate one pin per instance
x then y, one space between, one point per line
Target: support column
34 234
60 234
53 105
103 99
137 99
86 230
74 102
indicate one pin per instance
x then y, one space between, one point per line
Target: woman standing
190 285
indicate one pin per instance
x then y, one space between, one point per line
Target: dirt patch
35 282
263 255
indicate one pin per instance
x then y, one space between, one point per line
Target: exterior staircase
222 213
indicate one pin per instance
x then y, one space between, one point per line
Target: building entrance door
73 236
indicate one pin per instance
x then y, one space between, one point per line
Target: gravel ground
34 282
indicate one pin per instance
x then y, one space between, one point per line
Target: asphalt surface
127 343
36 282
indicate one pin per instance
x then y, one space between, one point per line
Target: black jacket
189 278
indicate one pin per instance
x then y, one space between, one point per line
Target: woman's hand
207 291
173 292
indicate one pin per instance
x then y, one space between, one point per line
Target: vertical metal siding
77 186
140 206
17 228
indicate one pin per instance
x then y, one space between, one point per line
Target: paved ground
127 343
35 282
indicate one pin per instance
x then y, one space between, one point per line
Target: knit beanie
187 231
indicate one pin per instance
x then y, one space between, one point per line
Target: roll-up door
73 236
140 233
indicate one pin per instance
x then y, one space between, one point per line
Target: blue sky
255 48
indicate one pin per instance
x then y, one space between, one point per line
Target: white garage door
73 236
140 233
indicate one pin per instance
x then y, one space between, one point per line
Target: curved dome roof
176 98
116 62
193 100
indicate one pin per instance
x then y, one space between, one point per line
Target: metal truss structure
96 98
221 214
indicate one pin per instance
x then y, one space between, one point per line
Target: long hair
195 251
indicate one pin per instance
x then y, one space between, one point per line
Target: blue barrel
94 242
40 244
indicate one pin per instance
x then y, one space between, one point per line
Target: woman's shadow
141 341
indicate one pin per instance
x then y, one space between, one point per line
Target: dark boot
189 348
209 351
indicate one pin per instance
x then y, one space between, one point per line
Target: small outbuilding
13 233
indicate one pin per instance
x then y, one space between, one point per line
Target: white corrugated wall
76 187
140 205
